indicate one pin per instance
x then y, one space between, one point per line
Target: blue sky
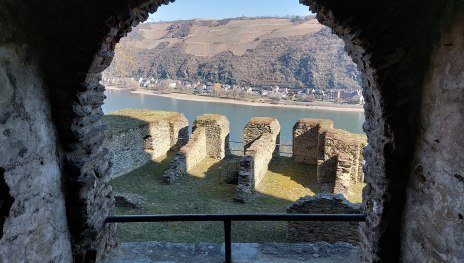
211 9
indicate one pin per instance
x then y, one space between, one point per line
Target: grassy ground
203 191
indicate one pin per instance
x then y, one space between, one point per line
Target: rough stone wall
132 141
433 221
340 162
70 66
189 155
256 127
390 41
33 226
337 153
131 149
330 232
217 134
306 139
392 48
254 164
326 172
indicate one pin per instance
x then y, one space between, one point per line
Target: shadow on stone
6 201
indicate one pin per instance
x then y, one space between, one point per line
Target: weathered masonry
410 55
217 134
308 139
261 135
330 232
341 163
337 153
210 138
134 137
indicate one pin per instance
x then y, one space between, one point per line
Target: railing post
227 241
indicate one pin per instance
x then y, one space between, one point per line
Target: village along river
238 115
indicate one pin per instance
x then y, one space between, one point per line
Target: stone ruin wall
331 232
307 136
33 225
261 136
189 155
433 223
209 139
76 99
217 134
344 149
337 153
256 127
135 146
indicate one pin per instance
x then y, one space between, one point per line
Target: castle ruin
337 153
209 139
260 138
134 137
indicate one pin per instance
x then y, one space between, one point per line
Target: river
238 115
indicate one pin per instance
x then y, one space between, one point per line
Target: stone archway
391 46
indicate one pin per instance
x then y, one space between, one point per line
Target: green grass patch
203 191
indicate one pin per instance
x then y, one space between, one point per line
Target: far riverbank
313 105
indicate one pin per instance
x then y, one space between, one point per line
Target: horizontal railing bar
234 217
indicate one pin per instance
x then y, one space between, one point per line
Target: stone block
330 232
189 155
261 136
134 137
257 126
306 139
340 161
217 134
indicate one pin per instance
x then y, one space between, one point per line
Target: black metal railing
228 218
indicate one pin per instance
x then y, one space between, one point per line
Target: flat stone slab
163 252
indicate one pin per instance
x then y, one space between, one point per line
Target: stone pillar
258 126
178 130
330 232
217 134
260 138
326 173
306 137
189 155
343 174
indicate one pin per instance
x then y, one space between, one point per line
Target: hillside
244 51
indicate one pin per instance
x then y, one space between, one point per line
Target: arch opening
137 35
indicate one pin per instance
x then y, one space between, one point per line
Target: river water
238 115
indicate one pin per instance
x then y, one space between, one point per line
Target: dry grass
202 191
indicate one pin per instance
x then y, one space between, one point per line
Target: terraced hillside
245 51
